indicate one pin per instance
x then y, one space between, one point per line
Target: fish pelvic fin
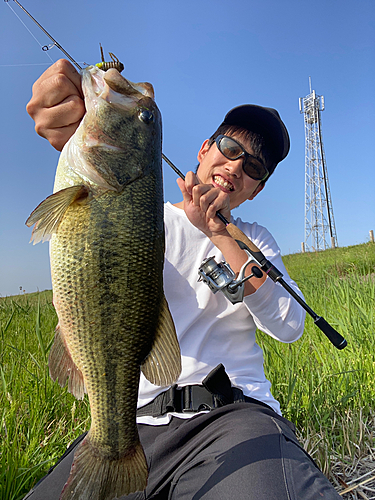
49 213
63 368
93 477
163 364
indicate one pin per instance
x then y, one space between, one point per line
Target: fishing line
25 64
35 38
45 48
22 65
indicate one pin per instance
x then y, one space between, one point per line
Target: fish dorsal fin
62 366
163 365
48 215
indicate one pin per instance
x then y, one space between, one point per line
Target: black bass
105 222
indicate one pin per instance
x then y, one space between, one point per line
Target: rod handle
334 336
237 234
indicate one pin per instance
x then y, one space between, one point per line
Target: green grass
328 393
38 419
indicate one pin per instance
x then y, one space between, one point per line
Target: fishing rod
55 43
266 266
222 277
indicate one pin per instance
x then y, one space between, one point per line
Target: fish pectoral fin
163 364
48 215
62 366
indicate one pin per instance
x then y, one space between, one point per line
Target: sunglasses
252 166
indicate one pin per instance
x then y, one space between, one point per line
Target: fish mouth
112 87
121 85
223 183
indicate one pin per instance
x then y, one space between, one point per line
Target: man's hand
201 202
57 105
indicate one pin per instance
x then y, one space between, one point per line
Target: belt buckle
196 398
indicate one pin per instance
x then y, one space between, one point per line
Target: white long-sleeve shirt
212 330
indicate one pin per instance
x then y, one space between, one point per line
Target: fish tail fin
97 478
62 366
163 364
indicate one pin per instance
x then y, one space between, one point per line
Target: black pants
243 451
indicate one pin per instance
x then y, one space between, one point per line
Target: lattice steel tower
319 220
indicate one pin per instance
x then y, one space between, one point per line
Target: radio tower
319 220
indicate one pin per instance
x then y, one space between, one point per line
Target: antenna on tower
319 220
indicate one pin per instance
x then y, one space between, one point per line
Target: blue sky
203 58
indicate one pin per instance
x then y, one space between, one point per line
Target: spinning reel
221 278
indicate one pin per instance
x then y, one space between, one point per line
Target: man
219 434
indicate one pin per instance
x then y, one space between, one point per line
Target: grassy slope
329 393
326 392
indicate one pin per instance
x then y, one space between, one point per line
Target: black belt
215 392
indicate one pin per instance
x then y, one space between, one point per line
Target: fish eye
146 116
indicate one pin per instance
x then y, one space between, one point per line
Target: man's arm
57 105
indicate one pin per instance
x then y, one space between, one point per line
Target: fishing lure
115 63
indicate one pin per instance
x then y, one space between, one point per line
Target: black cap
263 121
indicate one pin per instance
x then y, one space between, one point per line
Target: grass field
328 393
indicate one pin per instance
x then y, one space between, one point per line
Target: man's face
228 175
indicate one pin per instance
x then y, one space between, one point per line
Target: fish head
121 132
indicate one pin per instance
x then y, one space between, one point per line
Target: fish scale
105 221
101 275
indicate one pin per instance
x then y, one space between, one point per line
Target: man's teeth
222 182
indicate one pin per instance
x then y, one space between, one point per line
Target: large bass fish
105 222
